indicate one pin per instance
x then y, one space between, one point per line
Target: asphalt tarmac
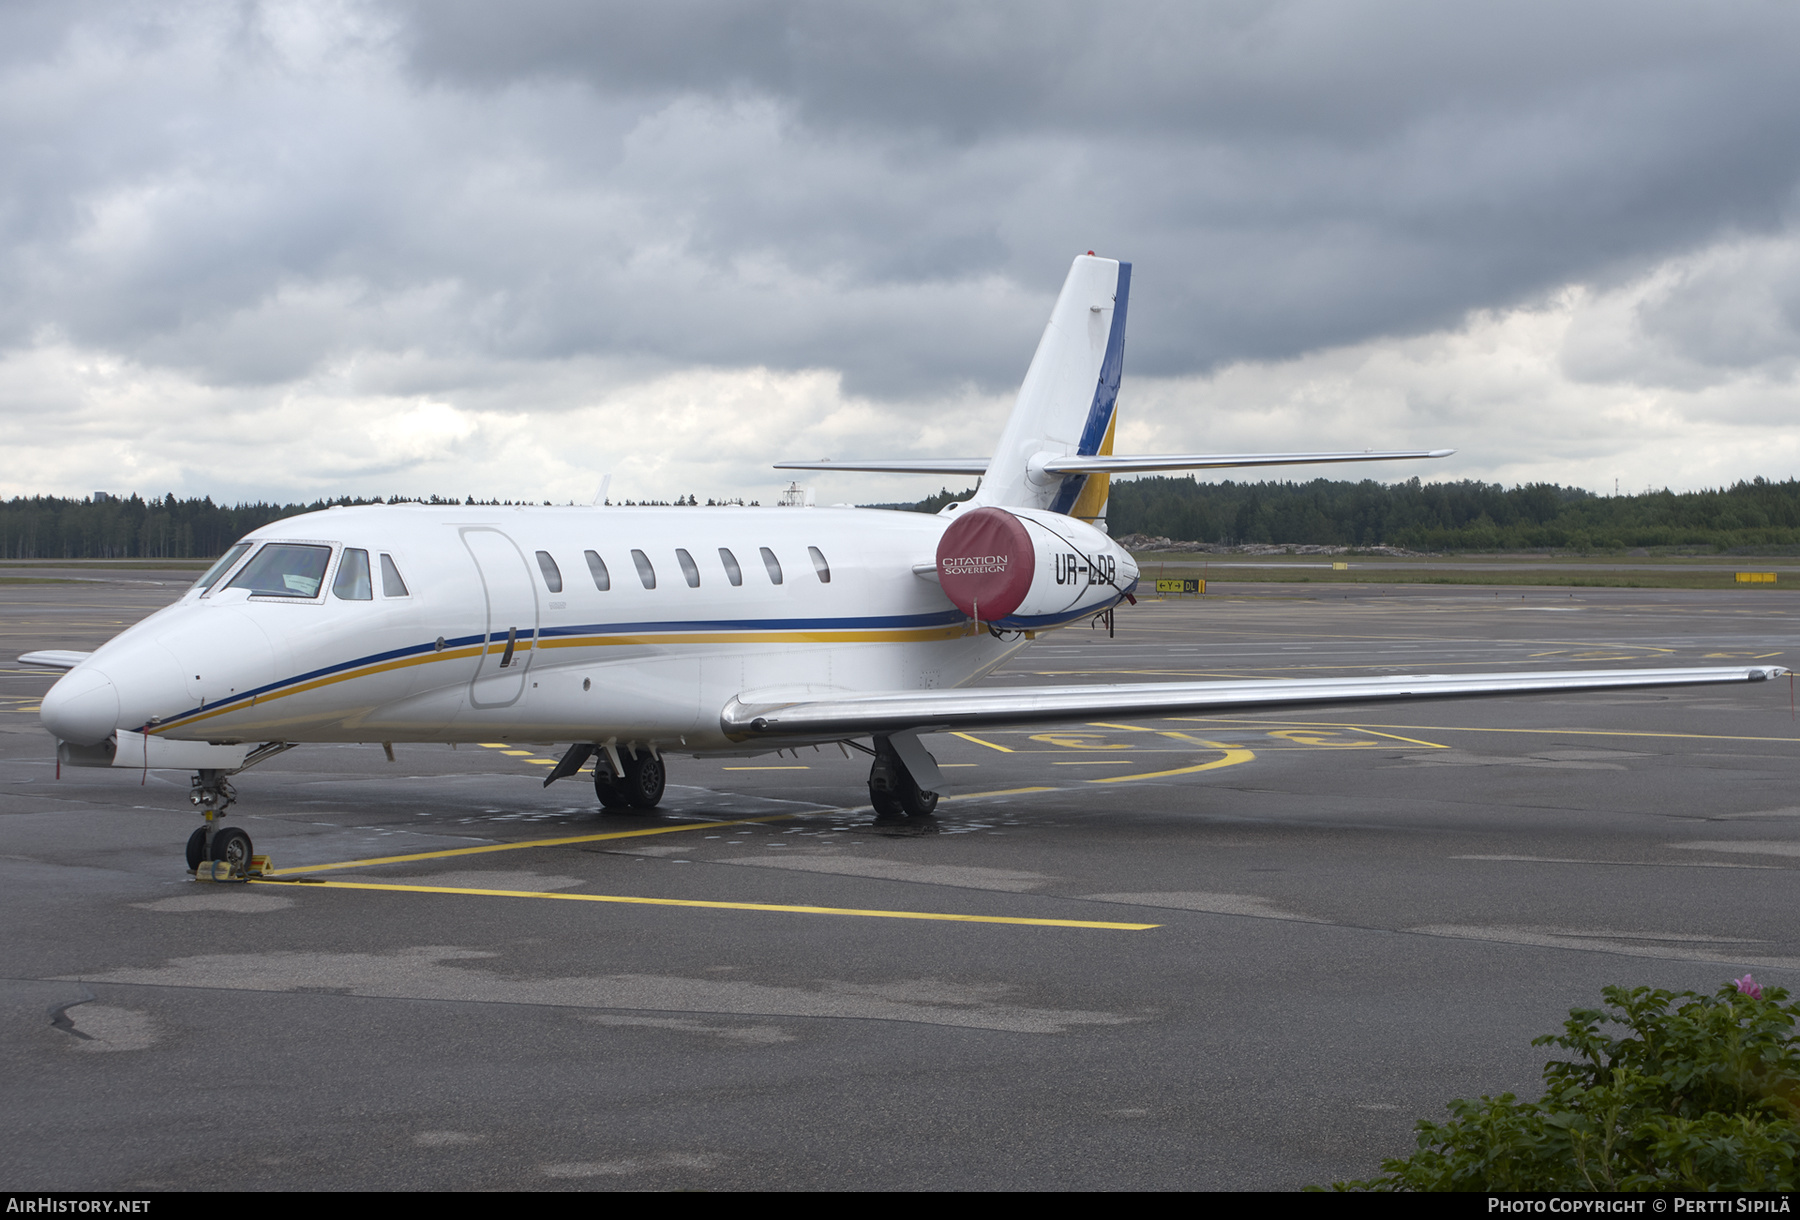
1192 953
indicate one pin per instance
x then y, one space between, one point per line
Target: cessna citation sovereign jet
641 633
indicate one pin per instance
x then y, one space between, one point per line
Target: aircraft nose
83 707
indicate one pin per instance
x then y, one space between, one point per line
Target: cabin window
646 573
214 574
690 571
352 583
285 569
597 569
391 584
733 573
819 564
772 564
552 573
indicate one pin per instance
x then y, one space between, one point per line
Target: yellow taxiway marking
938 916
802 768
990 745
1446 728
1233 756
1410 740
493 847
969 796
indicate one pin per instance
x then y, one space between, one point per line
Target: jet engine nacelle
1027 568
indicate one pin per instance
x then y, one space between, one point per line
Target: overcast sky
287 250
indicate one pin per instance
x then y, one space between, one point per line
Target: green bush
1698 1093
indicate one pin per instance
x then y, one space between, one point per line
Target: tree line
131 527
1758 515
1461 516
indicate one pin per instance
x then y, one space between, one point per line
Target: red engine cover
985 562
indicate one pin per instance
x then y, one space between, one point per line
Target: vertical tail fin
1068 401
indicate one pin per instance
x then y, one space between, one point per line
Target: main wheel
232 846
643 783
887 804
916 802
609 790
196 848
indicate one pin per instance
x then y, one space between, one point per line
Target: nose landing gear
212 795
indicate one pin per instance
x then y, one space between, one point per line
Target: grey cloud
1287 175
250 192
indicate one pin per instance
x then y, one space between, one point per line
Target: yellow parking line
936 916
1413 740
990 745
969 796
1447 728
1232 758
493 847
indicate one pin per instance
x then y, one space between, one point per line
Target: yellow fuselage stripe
898 636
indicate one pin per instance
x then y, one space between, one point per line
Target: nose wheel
229 846
212 795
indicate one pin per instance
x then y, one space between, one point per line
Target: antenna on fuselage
600 496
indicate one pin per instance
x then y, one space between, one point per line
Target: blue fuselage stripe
888 622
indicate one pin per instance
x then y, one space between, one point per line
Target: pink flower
1748 986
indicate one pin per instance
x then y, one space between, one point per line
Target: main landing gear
893 791
212 795
640 787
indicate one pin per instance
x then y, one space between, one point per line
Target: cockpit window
552 573
284 569
352 583
213 574
391 584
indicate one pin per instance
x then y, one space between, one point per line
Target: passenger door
512 618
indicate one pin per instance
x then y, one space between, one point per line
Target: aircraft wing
54 658
933 710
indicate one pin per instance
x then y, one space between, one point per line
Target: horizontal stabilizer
1133 463
926 710
54 658
1126 463
966 466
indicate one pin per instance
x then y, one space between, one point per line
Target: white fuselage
481 646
